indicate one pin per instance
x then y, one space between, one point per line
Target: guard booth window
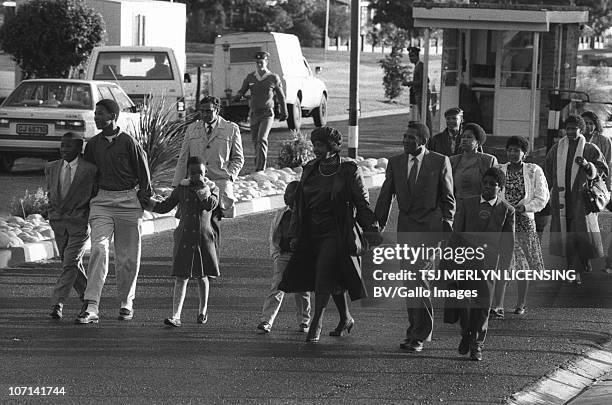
450 58
517 59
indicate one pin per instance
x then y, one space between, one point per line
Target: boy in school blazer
71 183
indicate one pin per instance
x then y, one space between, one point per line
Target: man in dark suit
486 222
70 185
422 183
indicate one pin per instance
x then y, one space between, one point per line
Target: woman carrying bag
330 218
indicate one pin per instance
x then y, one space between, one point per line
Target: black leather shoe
202 318
464 346
412 345
125 314
56 312
86 317
476 353
314 333
175 323
342 326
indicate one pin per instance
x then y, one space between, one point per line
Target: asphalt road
226 361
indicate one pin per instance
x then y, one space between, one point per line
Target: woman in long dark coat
195 244
330 198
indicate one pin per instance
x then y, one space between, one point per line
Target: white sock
92 308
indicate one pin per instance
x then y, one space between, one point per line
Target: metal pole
353 127
534 89
326 39
425 85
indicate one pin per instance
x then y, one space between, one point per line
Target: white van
234 58
140 71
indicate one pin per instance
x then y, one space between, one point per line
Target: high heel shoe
347 325
314 333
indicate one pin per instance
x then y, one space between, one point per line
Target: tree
48 38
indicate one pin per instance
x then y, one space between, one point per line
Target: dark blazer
496 230
432 202
348 193
485 161
74 210
493 231
441 143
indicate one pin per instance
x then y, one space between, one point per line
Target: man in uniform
263 85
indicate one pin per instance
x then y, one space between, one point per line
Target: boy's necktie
66 181
413 174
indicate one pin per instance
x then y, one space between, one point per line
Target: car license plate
32 129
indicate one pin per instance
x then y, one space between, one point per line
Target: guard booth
502 62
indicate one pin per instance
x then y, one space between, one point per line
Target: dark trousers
71 246
420 314
474 323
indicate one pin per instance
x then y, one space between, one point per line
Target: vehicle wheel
7 161
319 114
294 115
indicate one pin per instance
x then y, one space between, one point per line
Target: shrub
295 152
161 137
395 74
48 38
30 203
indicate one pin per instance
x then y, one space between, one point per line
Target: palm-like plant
160 134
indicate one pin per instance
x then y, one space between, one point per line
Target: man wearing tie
217 142
71 183
422 183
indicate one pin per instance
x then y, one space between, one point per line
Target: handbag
356 244
596 195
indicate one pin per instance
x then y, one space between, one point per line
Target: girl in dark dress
195 252
330 198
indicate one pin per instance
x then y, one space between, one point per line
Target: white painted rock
382 162
15 242
16 220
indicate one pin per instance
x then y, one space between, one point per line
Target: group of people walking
105 190
447 191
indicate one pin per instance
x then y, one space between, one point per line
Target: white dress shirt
73 166
491 202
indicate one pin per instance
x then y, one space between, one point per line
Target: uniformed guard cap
453 111
261 55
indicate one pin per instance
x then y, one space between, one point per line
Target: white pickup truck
234 58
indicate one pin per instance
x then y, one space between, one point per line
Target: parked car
38 112
234 58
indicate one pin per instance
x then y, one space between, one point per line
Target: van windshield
133 66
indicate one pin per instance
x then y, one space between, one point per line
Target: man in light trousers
124 184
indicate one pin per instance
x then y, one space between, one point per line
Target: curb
569 380
31 252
